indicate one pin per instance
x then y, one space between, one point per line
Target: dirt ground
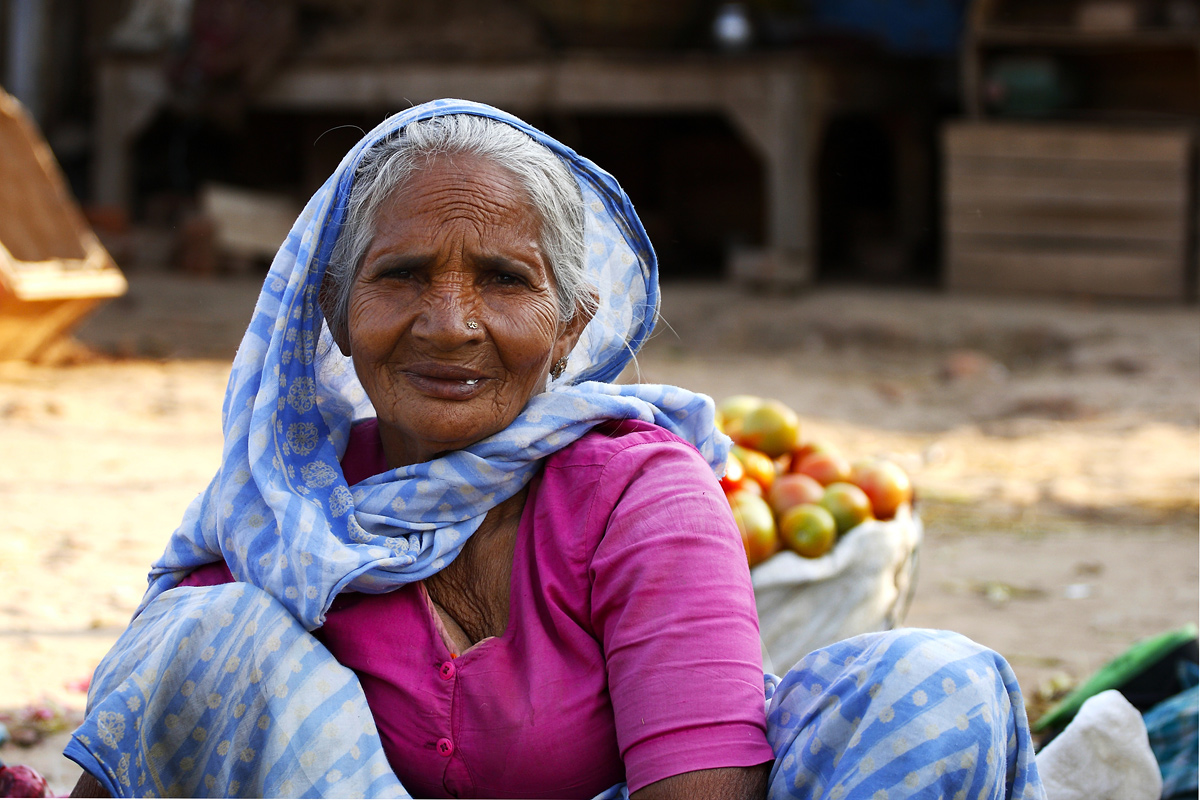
1055 447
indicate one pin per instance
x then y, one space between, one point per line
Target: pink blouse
631 652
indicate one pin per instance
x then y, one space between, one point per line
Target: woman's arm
727 783
673 605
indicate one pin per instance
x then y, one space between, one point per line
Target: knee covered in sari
909 713
219 692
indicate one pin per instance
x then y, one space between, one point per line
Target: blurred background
794 141
959 234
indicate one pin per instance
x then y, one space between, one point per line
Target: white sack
862 585
1104 754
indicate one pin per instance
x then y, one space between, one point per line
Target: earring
559 368
472 324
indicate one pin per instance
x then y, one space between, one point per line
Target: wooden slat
1024 140
1068 245
35 222
1093 273
1083 190
1042 219
27 329
966 166
1074 37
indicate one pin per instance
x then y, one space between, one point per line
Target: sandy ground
1055 446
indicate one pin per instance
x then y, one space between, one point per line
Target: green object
1114 674
1029 87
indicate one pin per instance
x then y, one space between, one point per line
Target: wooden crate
53 270
1057 208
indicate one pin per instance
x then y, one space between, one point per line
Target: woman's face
457 243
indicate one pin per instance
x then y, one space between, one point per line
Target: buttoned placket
456 778
445 745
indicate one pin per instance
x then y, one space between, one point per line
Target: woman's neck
472 593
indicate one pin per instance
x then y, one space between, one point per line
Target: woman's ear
327 297
574 327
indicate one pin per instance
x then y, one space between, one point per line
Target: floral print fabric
219 692
907 714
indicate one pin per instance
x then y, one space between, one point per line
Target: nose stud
472 324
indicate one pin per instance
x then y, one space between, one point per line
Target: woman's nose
449 314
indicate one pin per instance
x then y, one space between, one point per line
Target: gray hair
547 181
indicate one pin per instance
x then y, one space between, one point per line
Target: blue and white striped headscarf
279 511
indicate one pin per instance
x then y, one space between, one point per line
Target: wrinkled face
458 242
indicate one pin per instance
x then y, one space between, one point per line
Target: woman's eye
509 279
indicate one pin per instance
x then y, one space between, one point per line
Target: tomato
808 530
824 468
756 524
810 447
747 484
734 473
885 484
771 428
758 466
731 410
789 491
848 504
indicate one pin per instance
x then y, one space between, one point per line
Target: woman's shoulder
624 482
627 437
619 461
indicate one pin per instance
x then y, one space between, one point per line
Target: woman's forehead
486 200
468 187
442 210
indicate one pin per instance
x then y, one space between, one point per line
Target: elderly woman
445 554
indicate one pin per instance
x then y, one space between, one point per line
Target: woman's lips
445 381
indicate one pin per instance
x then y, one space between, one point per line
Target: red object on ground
22 781
79 684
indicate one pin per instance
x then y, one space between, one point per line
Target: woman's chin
434 428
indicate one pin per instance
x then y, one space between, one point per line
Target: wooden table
775 102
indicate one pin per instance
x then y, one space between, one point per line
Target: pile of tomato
787 492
